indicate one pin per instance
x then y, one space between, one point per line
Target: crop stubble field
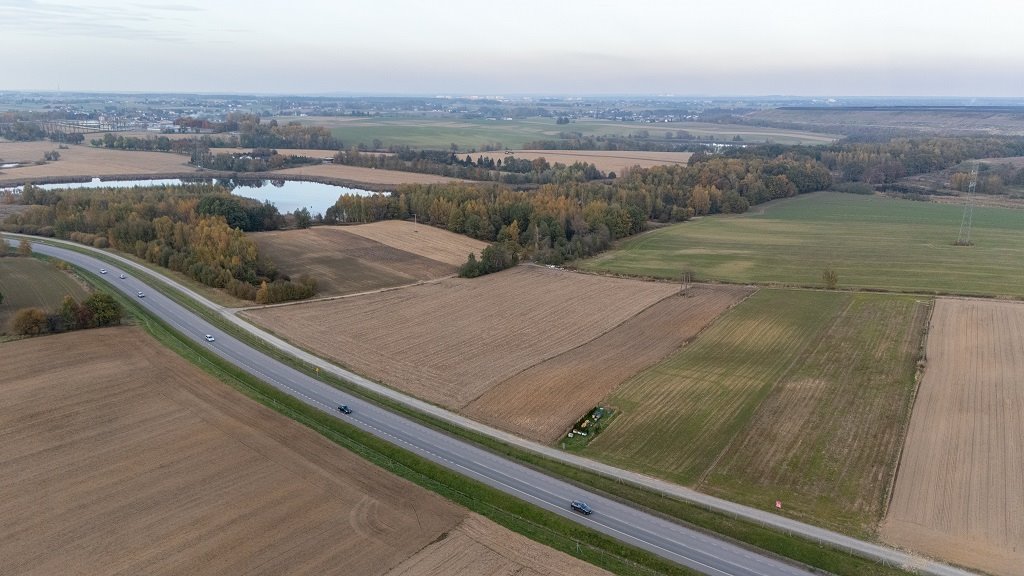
605 160
451 341
121 457
872 242
960 490
543 401
353 259
84 161
31 283
799 396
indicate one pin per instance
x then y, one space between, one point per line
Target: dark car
344 409
582 507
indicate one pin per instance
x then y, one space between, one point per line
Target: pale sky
570 47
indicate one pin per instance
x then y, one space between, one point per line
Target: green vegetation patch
872 242
32 283
798 396
440 133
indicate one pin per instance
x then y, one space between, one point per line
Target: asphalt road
696 550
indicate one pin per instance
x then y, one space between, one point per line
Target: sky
558 47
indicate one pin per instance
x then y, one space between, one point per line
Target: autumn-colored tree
24 248
30 321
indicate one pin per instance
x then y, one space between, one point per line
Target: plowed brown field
479 547
543 401
451 341
346 263
119 457
960 490
426 241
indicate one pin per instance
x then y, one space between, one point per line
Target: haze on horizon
745 47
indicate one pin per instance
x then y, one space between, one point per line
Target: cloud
59 20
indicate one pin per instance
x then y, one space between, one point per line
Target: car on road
344 409
141 295
122 276
210 338
103 270
581 507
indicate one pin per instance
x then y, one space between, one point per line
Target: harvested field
345 263
357 174
960 491
86 161
478 547
451 341
31 283
605 161
122 458
422 240
796 396
543 401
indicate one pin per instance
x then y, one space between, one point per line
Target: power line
964 238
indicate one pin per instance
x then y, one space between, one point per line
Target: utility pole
964 238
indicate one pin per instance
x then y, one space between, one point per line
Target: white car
123 276
210 338
141 295
103 270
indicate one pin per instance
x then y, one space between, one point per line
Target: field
481 548
121 458
615 161
27 283
543 401
425 241
451 341
435 132
358 174
344 262
960 491
85 161
872 242
981 119
793 395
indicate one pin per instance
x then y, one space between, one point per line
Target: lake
287 195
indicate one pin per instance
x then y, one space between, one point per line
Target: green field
27 283
872 242
514 134
794 395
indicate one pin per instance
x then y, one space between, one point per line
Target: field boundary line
905 429
876 552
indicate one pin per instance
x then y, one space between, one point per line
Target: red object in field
778 504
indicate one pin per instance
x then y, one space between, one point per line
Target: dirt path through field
960 491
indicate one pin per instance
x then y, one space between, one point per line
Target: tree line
194 229
508 170
556 223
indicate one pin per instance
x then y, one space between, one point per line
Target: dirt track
960 491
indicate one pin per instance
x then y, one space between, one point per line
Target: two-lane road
697 550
